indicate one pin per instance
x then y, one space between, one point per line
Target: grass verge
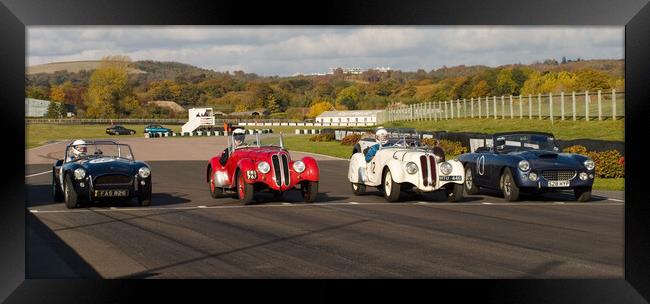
566 130
617 184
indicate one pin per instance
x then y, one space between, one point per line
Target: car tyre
56 191
309 190
245 190
454 192
582 194
144 199
132 132
470 186
358 189
215 191
70 195
509 186
391 189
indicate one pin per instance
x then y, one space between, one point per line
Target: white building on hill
348 118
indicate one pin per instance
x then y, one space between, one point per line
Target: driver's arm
224 157
371 152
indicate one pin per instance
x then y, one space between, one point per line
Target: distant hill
71 67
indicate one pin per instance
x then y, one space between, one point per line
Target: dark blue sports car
530 162
98 171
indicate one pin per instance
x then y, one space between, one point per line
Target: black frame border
15 15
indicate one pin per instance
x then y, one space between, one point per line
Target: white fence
586 106
308 124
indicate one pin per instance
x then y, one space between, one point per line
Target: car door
484 165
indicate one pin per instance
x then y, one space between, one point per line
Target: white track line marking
37 174
354 203
559 203
616 200
433 204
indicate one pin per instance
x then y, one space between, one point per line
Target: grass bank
566 130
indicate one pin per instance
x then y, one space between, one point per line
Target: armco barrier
202 133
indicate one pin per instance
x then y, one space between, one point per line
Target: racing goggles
239 137
81 149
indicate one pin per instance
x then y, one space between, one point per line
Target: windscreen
527 142
95 150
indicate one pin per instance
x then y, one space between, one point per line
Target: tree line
113 90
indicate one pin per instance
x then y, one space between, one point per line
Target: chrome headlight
411 168
589 164
144 172
532 176
79 173
263 167
446 168
583 176
298 166
524 165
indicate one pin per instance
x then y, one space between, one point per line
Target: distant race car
523 161
256 167
107 171
119 130
403 166
156 129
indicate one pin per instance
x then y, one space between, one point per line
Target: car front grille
281 169
110 179
425 171
428 166
559 175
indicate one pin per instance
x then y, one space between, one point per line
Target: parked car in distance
119 130
526 162
106 171
154 128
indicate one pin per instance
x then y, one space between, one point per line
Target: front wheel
70 195
132 132
582 194
470 185
309 191
358 189
144 199
245 191
391 189
508 186
454 192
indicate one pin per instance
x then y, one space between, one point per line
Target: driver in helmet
238 137
381 136
78 150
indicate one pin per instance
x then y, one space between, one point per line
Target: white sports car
402 167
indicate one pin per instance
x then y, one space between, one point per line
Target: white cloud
281 50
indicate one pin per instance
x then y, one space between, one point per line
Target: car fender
396 167
221 175
458 169
357 169
312 172
247 167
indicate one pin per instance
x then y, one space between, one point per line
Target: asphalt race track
187 234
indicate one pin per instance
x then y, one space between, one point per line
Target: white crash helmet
381 135
239 134
79 147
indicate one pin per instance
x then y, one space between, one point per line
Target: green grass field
567 129
609 184
40 134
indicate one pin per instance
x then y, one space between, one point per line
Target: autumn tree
348 98
108 86
318 108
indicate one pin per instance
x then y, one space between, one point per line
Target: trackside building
348 118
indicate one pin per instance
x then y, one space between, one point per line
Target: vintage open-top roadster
254 167
523 161
105 170
403 165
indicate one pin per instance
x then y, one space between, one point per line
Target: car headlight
79 173
532 176
583 176
411 168
144 172
446 168
524 165
589 164
263 167
298 166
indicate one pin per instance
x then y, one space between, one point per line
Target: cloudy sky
275 50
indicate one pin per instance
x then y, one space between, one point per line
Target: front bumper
541 184
86 190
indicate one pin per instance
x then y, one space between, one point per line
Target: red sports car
250 168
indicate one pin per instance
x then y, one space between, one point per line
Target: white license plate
111 193
558 183
446 178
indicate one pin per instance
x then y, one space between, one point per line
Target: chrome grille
559 175
432 163
276 169
425 171
112 179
